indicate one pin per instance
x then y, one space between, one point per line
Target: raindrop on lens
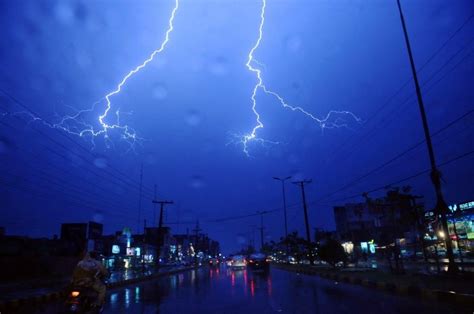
64 13
193 118
100 162
293 43
98 217
218 66
293 159
196 182
3 147
297 176
159 92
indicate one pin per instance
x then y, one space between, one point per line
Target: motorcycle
83 299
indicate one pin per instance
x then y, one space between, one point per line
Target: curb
407 290
14 304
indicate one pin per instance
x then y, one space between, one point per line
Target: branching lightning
85 123
126 130
334 119
75 124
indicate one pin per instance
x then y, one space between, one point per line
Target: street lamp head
277 178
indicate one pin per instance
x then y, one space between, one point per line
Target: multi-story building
383 220
81 236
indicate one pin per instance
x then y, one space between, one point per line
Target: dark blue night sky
57 57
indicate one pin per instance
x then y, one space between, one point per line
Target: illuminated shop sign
115 249
133 251
467 205
461 207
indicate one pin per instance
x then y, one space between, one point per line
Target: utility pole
140 199
301 184
162 203
282 180
196 232
251 236
144 245
261 229
179 217
419 226
308 235
441 207
160 226
154 206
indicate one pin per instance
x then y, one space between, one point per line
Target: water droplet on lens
80 12
4 146
98 216
293 159
293 43
64 13
100 162
241 239
159 92
193 118
196 182
219 66
83 59
297 175
150 159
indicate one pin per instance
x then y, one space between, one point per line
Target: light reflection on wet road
243 292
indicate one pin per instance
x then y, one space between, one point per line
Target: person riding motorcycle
89 272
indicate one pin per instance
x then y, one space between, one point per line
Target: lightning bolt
334 119
132 134
76 125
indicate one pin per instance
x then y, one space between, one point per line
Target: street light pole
441 206
261 231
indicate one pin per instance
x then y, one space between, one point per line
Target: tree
332 252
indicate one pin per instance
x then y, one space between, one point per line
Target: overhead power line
398 156
462 156
407 82
125 178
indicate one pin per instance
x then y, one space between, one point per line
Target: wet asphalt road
243 291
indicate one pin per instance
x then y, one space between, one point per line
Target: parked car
238 261
258 261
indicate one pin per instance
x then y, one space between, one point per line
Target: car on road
258 261
238 262
214 262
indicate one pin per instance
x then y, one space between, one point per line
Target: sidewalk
418 266
458 289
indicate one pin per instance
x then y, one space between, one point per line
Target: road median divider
357 278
